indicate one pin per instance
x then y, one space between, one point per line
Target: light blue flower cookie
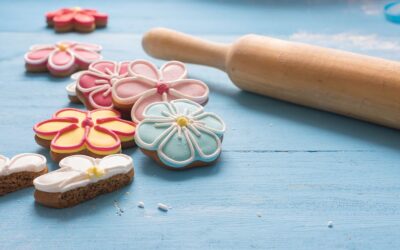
180 134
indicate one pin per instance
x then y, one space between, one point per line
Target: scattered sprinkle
330 224
141 204
259 215
119 211
162 207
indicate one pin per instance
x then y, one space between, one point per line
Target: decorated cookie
18 172
62 58
82 20
96 133
149 85
180 134
93 86
81 178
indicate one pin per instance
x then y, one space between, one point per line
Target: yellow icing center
95 172
62 46
182 121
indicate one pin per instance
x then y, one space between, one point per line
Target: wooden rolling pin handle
171 45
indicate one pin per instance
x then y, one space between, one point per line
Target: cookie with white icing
71 89
19 171
180 134
81 178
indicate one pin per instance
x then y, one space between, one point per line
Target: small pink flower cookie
149 84
82 20
62 58
93 86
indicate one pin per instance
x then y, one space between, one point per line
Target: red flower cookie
95 133
82 20
62 58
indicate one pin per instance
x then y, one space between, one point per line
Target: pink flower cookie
62 58
82 20
149 85
93 86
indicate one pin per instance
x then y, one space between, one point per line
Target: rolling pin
358 86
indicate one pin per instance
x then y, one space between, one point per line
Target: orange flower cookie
95 133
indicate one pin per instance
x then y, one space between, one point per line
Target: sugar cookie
149 85
180 134
96 133
61 59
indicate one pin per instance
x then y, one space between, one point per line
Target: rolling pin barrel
354 85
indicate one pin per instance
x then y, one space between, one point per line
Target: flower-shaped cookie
179 134
71 131
93 86
82 20
62 58
149 85
81 178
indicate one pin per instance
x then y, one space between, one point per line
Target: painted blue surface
285 170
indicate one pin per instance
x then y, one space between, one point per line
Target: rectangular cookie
81 178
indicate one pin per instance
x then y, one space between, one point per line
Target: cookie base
19 180
81 194
57 157
154 156
74 99
44 68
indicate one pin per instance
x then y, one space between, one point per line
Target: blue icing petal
208 145
156 110
183 104
212 122
176 152
147 134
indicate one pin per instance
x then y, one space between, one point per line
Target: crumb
259 215
127 193
141 204
330 224
119 211
162 207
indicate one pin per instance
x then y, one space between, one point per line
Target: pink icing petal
89 81
172 71
101 97
83 19
142 103
63 19
130 89
145 69
123 68
38 55
61 59
85 57
104 67
189 89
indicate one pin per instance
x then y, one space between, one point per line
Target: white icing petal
76 172
28 162
176 151
211 122
71 89
183 106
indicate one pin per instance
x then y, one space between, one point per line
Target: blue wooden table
285 171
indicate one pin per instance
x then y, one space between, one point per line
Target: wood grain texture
295 167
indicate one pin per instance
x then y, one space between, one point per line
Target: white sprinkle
162 207
141 204
330 224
